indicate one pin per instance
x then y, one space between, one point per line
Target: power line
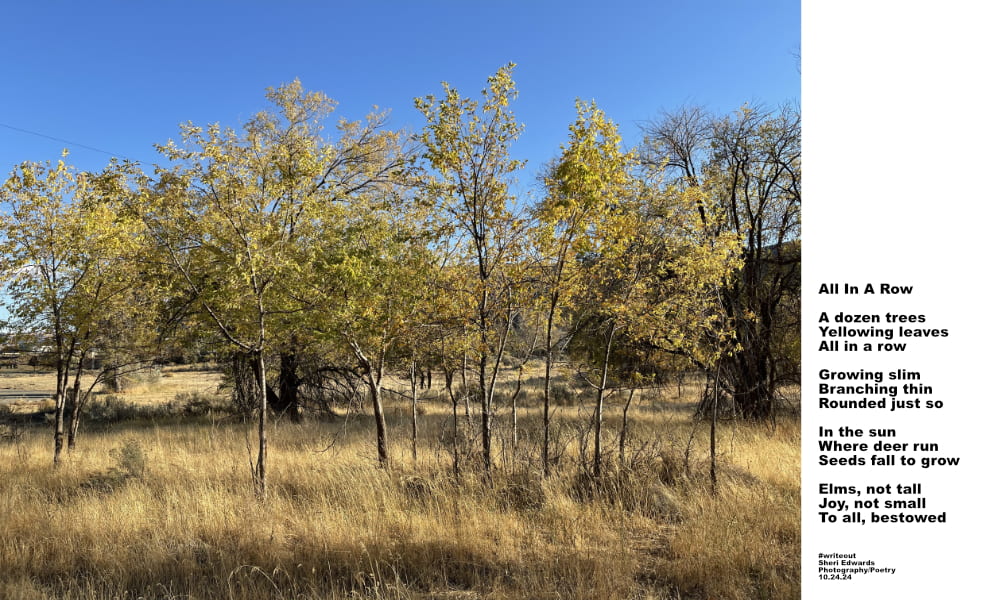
61 140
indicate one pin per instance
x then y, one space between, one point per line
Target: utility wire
55 139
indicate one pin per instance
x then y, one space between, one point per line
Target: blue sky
120 76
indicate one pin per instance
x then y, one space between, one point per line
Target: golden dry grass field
164 508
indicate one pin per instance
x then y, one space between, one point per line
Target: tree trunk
261 470
715 420
546 423
449 377
250 388
373 378
465 388
751 393
484 397
287 399
62 373
489 389
59 426
487 423
74 405
749 372
116 382
599 410
375 389
413 409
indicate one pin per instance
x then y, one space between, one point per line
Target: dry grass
157 510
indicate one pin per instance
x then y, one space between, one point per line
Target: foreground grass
166 510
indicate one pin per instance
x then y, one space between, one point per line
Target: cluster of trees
369 251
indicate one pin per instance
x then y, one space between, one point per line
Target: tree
238 217
467 143
68 269
450 337
118 305
652 278
748 165
367 290
590 177
368 167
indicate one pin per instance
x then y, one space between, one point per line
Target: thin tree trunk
487 424
62 372
375 389
513 415
484 398
465 387
715 419
413 409
373 378
546 422
599 410
261 471
59 426
449 376
490 389
287 399
117 383
75 405
59 421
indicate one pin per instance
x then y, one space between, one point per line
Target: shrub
110 409
130 458
145 377
130 463
197 404
114 409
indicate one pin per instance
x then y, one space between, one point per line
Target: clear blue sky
120 76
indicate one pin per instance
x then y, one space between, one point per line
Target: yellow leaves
658 255
461 134
66 252
297 105
501 88
591 176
